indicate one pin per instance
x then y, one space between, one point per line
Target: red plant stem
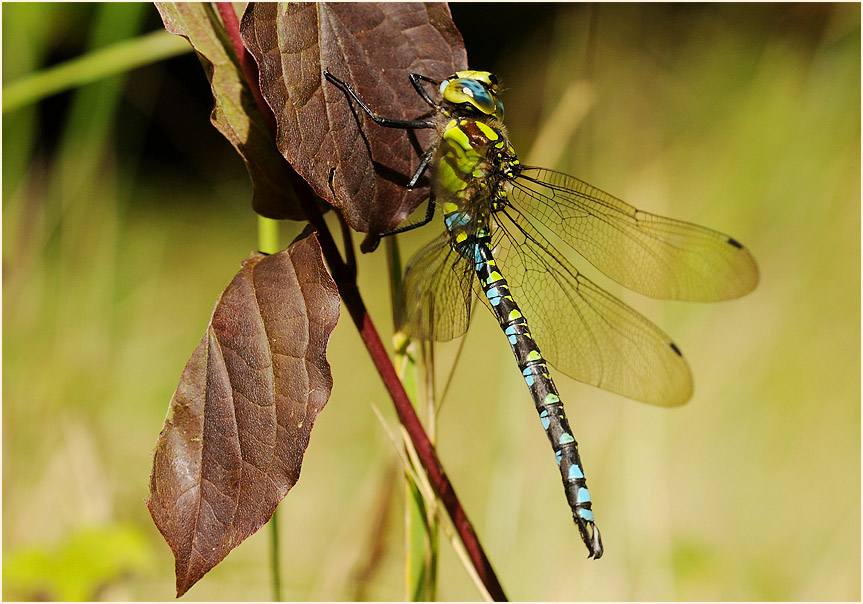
250 68
345 279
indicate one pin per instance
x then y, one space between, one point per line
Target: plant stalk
268 243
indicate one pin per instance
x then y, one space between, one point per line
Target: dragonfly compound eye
472 94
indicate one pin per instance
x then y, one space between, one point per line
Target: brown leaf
235 113
239 422
374 47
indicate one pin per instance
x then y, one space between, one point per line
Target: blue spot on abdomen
543 417
583 495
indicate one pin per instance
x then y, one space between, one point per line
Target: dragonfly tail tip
591 537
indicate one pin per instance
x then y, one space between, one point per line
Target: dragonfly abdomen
470 152
534 369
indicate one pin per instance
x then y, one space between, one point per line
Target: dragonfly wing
656 256
584 331
436 293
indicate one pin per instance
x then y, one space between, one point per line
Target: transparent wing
582 330
435 297
656 256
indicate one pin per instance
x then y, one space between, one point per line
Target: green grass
743 118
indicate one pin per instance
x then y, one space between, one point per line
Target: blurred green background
125 214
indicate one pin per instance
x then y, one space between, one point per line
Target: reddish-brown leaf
374 47
239 422
235 113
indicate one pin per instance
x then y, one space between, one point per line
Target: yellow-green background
745 118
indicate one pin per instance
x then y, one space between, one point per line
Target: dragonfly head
473 91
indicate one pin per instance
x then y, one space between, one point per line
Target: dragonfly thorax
472 160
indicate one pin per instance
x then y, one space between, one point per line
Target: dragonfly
501 219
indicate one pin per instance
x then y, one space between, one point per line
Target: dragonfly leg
426 219
424 164
381 121
373 245
416 80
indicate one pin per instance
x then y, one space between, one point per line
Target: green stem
111 60
421 547
268 243
268 235
274 556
